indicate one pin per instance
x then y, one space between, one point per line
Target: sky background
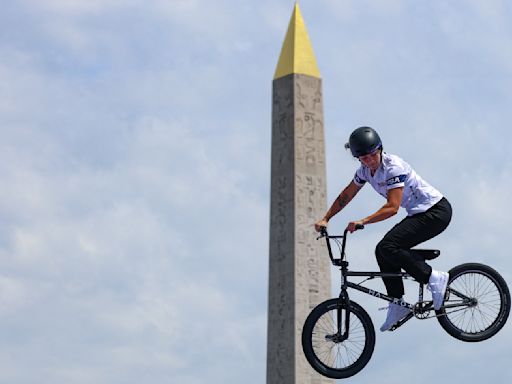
135 177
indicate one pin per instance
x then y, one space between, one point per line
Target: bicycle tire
490 308
326 356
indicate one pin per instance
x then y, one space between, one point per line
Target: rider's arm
394 197
341 202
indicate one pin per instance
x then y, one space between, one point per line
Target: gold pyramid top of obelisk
297 53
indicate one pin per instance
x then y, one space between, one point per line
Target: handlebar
323 233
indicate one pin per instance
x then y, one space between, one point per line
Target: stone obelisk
299 271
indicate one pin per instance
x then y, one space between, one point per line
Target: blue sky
135 168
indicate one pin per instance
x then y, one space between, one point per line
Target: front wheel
332 349
477 303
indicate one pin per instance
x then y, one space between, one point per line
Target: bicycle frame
345 284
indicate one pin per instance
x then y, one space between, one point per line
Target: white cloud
131 250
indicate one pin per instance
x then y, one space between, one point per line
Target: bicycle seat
427 254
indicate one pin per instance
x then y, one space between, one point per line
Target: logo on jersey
396 180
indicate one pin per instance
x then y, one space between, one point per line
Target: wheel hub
336 338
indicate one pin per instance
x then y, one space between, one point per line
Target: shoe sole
382 329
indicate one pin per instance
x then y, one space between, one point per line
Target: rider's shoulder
390 160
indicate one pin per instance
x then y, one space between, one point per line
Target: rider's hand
351 227
320 224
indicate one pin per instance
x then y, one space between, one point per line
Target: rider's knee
384 249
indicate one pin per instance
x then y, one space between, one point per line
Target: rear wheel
477 303
324 346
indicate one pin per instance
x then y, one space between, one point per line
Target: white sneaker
437 285
396 313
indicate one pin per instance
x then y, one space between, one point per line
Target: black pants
393 251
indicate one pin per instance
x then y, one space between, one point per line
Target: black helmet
363 140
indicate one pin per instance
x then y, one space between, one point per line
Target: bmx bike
338 337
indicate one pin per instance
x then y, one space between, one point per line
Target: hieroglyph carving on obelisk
299 270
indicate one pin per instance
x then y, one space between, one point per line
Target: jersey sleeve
359 178
395 177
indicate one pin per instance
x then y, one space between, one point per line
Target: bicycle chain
436 315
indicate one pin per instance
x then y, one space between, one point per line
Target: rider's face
371 160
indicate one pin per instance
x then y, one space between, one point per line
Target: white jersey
418 196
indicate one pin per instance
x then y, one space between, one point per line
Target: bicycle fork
342 323
342 332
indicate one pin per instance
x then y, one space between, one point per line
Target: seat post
421 291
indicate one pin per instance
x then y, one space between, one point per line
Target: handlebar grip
323 232
359 226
